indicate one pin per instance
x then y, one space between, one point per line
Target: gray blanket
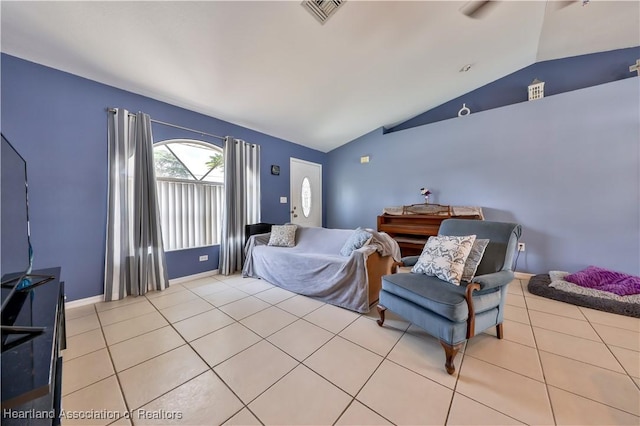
314 267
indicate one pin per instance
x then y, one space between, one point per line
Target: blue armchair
450 312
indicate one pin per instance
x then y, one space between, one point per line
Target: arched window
189 176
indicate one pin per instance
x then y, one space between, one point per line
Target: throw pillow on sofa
475 256
283 236
359 238
444 257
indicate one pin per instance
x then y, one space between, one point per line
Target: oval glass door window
305 195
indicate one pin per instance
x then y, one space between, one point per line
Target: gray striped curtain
134 261
242 200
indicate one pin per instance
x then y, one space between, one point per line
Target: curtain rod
113 110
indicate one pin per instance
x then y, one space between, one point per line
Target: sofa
314 266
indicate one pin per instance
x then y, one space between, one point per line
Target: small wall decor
464 111
425 193
275 170
536 90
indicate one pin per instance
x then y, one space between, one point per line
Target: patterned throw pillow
358 239
475 256
283 235
444 257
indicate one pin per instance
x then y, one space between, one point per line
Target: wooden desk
412 231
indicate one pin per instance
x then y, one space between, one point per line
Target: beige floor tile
391 319
225 297
300 305
515 332
123 313
252 371
555 307
359 415
145 382
619 337
173 288
585 350
81 325
515 395
251 286
399 395
514 313
274 295
86 370
629 359
103 396
332 318
211 288
191 284
370 335
467 412
269 321
122 421
570 326
186 310
168 300
613 320
515 287
243 418
141 348
224 343
244 307
203 400
82 344
133 327
80 311
506 354
599 384
571 409
423 354
202 324
300 339
515 300
637 380
310 400
129 300
235 279
344 364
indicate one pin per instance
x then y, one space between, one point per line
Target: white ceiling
270 66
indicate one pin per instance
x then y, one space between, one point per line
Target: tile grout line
544 375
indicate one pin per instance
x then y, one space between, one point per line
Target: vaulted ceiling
270 66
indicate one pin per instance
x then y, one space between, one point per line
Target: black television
15 241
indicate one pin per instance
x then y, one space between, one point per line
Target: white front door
306 193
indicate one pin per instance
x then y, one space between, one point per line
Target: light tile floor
228 350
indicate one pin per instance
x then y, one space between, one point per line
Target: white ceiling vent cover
322 9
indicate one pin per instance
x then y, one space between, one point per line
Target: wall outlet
283 200
520 246
204 258
364 159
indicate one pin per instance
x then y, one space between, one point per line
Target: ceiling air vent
322 9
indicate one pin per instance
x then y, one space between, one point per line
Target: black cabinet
31 362
256 228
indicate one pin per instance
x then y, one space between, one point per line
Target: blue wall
559 75
58 122
566 167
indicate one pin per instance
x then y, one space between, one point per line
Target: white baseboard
522 275
205 274
82 302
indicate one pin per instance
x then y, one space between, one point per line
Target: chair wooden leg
499 332
450 351
381 310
